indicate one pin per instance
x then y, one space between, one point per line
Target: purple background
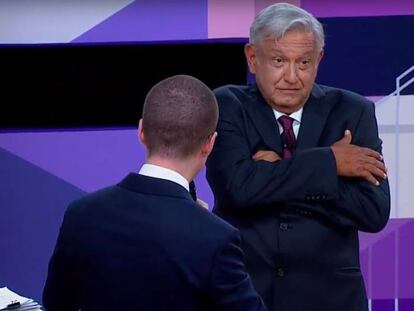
41 172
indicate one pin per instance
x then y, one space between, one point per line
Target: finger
274 159
345 140
347 137
262 153
372 153
257 156
378 164
259 159
266 157
259 152
254 157
269 158
370 178
380 173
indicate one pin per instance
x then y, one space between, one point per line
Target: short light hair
179 115
277 19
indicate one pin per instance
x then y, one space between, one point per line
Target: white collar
297 115
156 171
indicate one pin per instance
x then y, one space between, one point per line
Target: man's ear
141 135
208 145
251 57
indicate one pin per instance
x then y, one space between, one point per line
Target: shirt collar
156 171
297 115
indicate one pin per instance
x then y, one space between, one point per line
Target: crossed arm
345 181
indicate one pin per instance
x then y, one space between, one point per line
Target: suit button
318 197
280 272
283 226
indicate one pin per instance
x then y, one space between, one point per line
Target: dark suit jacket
299 221
145 245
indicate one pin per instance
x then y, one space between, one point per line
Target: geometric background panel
88 159
32 203
153 20
51 21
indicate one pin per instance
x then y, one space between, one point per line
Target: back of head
277 19
180 113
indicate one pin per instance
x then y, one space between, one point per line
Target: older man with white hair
297 167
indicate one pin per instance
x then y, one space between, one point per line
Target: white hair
277 19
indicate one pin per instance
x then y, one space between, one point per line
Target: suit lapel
264 120
315 114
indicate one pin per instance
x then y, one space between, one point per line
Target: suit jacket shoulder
344 96
159 196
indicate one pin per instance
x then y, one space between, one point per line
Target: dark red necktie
288 136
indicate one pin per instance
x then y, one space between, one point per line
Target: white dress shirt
296 116
156 171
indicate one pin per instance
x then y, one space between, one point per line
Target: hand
355 161
266 155
202 203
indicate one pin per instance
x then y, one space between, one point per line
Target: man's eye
277 61
304 63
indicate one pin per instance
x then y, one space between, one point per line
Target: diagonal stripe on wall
52 21
87 159
156 20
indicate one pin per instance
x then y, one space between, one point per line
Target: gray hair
277 19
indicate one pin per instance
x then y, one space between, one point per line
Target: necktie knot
286 122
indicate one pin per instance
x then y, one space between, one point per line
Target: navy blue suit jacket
299 221
145 245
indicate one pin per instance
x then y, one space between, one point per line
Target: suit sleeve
240 182
359 203
61 288
230 286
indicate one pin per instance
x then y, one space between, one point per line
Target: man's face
285 68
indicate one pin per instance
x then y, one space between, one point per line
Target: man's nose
290 74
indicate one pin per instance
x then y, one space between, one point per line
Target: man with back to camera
144 244
298 197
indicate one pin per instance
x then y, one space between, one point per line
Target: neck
188 168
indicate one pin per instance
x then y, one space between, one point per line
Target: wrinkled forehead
292 39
